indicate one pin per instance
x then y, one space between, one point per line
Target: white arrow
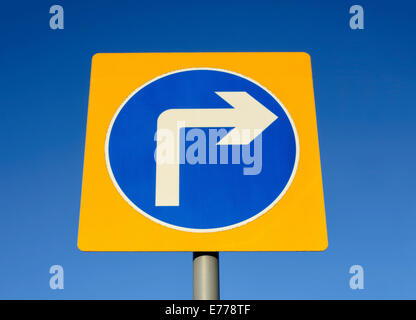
247 114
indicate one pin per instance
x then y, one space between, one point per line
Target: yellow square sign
202 152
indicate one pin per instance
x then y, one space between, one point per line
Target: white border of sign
107 159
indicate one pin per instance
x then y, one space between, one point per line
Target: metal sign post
206 276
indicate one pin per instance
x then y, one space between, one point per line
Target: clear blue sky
365 98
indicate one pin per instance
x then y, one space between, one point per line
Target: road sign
202 152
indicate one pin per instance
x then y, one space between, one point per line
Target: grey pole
206 276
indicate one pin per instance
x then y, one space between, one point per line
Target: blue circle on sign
215 195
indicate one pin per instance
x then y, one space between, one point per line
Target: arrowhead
251 117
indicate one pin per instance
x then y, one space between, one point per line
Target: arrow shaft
172 120
197 118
